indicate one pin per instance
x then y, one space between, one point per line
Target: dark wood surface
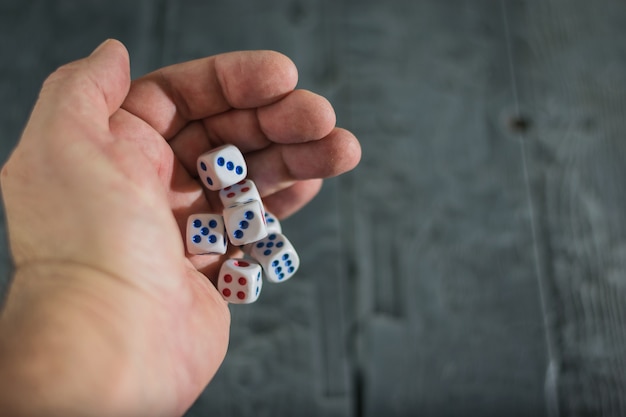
474 264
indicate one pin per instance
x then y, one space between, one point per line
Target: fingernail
95 51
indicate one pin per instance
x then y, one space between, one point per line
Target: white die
245 222
277 257
222 167
205 234
239 281
273 225
241 192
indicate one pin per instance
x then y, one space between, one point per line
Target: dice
277 256
222 167
241 192
205 234
239 281
245 222
272 223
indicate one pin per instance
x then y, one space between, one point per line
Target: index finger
169 98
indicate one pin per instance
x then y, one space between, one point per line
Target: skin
107 314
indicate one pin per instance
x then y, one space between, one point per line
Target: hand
106 314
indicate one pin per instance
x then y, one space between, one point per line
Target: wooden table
474 264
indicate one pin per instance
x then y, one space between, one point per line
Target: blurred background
474 264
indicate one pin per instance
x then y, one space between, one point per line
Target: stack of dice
244 223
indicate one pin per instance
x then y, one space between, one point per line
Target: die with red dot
242 192
239 281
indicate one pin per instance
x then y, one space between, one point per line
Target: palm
286 137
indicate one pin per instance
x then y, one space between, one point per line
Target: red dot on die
241 182
242 281
241 295
226 292
228 188
228 278
245 189
241 263
230 195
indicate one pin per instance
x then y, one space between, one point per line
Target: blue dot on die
203 166
213 224
221 161
239 170
280 244
260 245
270 244
209 180
243 224
196 239
212 239
272 237
291 269
267 252
238 234
204 231
197 223
249 215
285 257
230 166
275 263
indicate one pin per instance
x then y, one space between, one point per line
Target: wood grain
473 265
447 296
571 82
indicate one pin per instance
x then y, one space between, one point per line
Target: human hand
107 315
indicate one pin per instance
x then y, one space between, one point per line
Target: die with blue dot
272 223
277 256
273 226
245 222
239 281
221 167
206 234
243 191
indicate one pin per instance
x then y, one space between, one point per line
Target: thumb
92 88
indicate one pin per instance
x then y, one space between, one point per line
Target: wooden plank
288 351
571 85
447 300
419 277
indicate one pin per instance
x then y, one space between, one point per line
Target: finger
279 166
291 199
195 139
300 116
171 97
90 89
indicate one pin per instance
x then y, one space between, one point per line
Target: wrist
61 352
